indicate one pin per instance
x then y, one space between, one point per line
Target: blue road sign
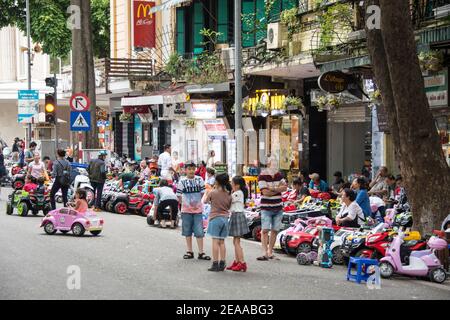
80 121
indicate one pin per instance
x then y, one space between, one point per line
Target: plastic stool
360 274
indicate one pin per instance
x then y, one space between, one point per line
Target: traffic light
50 108
51 82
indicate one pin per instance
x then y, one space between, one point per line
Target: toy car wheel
302 259
386 270
59 199
18 185
304 248
9 208
22 209
96 232
150 220
145 210
256 233
49 228
338 257
438 275
108 206
78 229
120 208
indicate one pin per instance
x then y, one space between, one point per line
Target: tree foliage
48 24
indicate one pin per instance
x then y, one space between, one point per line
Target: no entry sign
80 102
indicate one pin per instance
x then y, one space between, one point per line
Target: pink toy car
67 219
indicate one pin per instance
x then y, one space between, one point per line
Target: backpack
65 178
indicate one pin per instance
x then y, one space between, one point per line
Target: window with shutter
261 32
181 37
222 20
274 13
248 26
199 24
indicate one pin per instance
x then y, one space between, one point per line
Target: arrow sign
80 102
80 121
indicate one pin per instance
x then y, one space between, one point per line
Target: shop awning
167 5
208 88
345 64
169 96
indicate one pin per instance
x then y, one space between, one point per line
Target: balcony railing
426 12
122 68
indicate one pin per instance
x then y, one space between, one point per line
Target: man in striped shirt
272 184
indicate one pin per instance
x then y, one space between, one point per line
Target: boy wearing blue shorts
190 190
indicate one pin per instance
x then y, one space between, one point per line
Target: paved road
131 260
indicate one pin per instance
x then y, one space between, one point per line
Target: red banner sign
136 109
144 26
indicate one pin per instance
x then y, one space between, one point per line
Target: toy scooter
421 263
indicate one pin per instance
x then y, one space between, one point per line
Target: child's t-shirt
191 192
220 203
81 205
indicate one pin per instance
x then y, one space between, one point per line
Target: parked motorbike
422 263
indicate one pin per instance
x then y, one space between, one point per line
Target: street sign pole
27 4
55 90
238 88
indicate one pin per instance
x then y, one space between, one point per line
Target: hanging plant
125 117
431 60
293 103
376 96
262 109
329 103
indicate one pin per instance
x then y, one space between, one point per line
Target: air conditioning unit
227 58
357 35
275 35
440 12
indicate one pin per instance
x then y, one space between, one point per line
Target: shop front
273 126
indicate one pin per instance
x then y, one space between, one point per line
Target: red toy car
297 242
141 203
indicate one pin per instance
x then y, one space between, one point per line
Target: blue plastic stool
360 274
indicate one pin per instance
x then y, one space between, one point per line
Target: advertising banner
28 102
144 26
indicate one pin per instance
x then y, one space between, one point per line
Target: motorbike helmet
403 220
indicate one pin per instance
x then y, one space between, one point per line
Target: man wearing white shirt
165 162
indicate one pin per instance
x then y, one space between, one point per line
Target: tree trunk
83 73
423 166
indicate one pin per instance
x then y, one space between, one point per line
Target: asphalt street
131 260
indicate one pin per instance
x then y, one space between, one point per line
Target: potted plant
329 103
376 96
431 60
262 109
293 103
125 117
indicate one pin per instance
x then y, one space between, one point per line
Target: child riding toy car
68 219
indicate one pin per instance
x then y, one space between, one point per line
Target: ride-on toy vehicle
422 263
118 203
254 224
25 201
67 219
141 203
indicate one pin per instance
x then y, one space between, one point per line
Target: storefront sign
180 110
137 138
28 101
271 98
434 81
382 117
216 129
143 24
204 110
334 81
437 98
136 109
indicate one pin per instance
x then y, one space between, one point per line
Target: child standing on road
190 190
220 200
238 222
